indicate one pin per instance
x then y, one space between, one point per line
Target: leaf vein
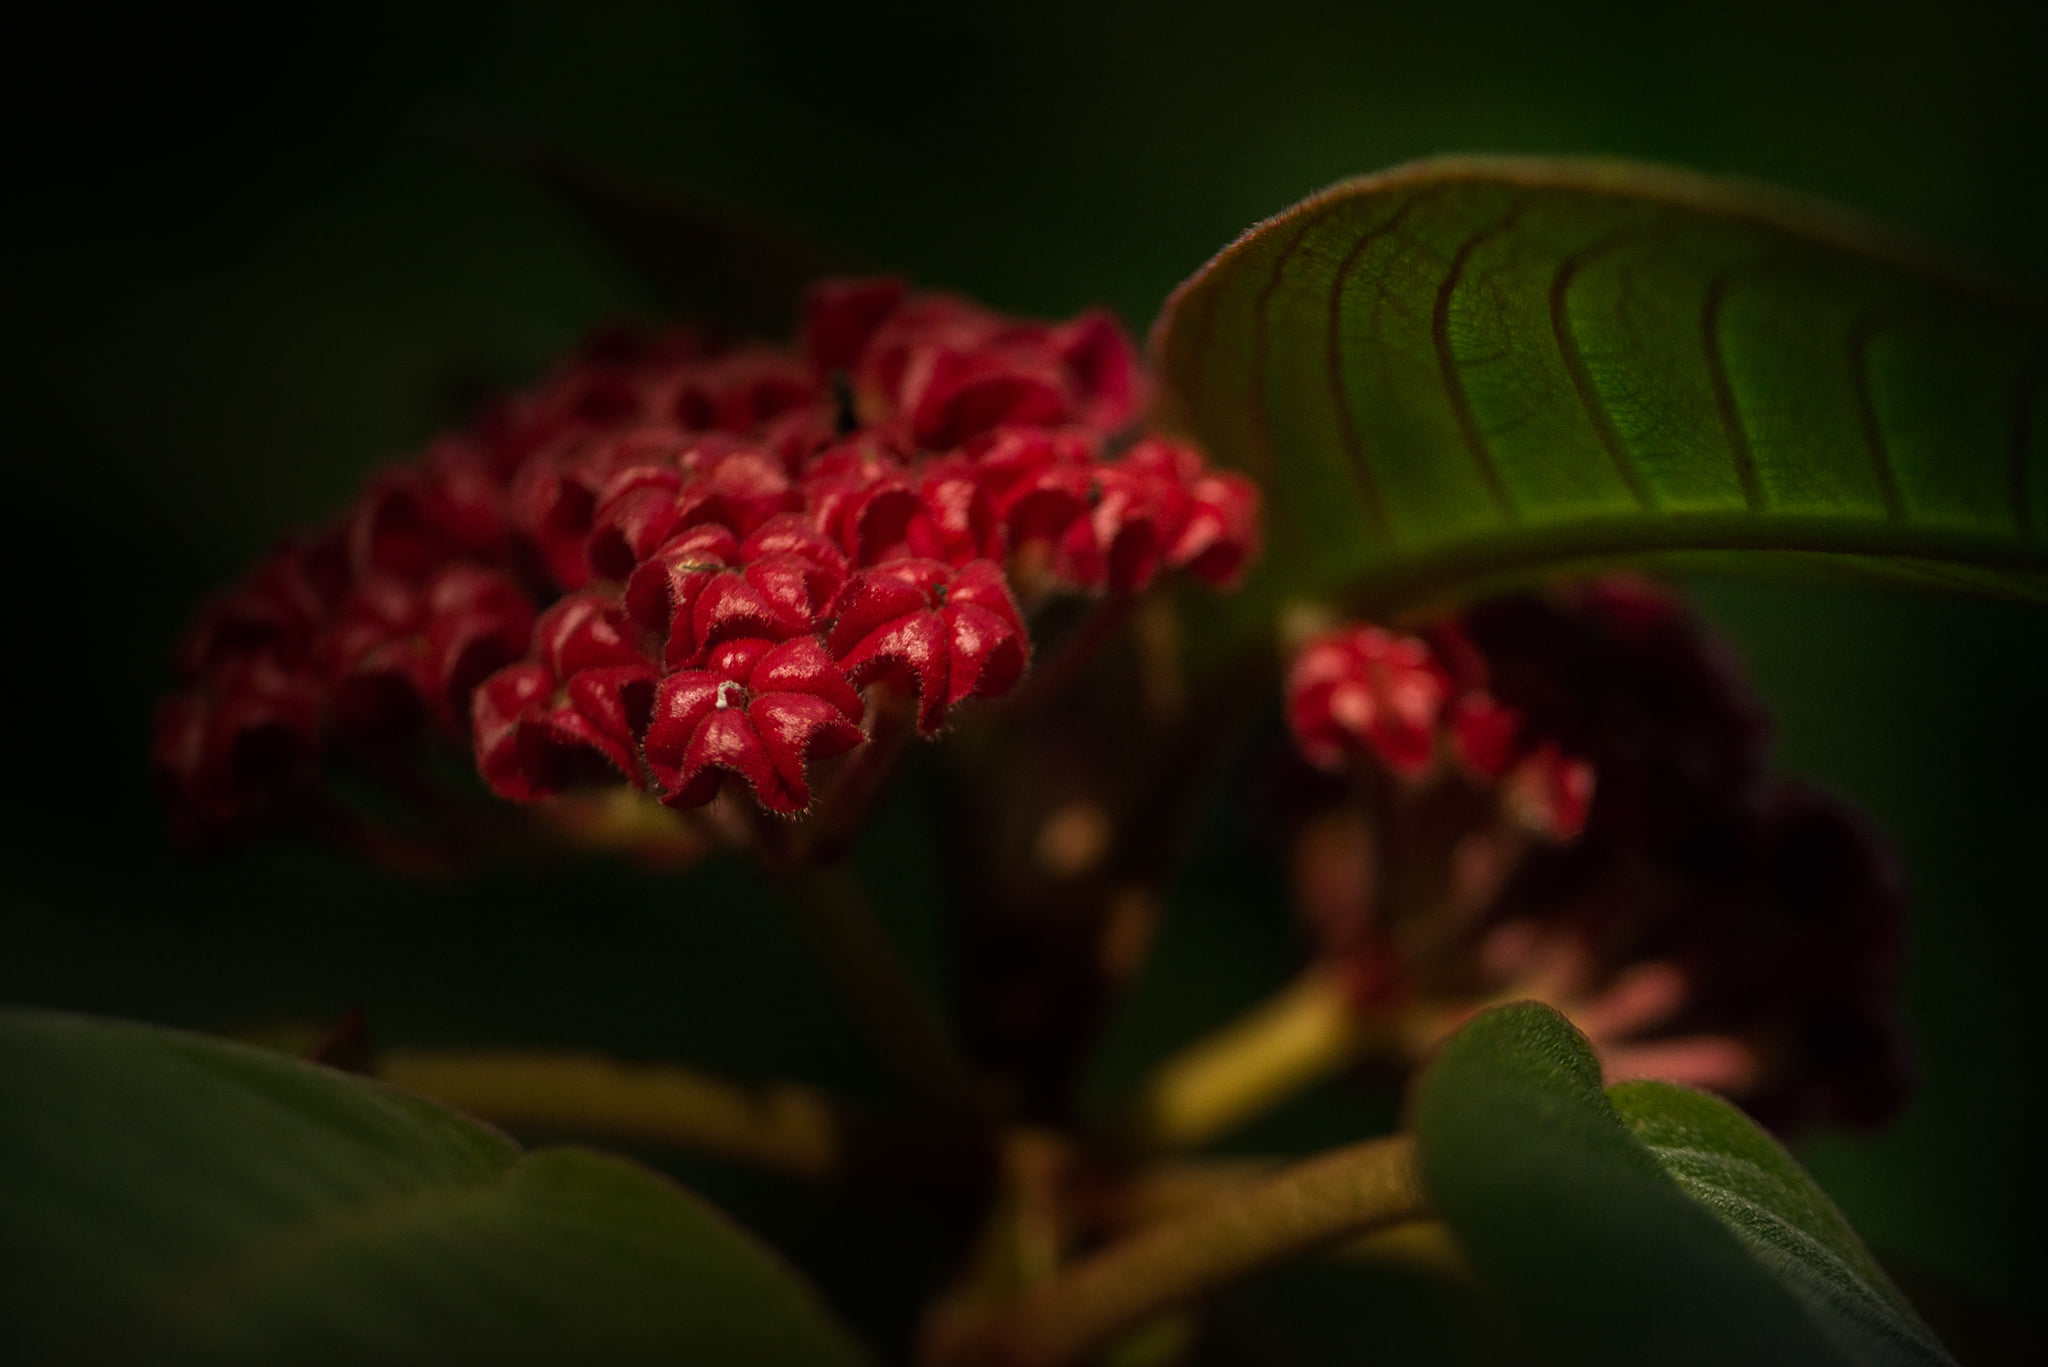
1350 434
1860 339
1574 359
1262 443
1447 363
1723 386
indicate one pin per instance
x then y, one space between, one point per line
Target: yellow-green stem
785 1128
1306 1033
1300 1210
781 1127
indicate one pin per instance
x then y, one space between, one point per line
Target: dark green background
238 275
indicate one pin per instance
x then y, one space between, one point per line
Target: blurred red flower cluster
1702 920
1361 694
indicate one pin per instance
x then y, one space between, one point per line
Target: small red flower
773 597
633 514
759 709
1039 482
880 510
841 316
399 650
277 612
954 371
741 392
553 504
249 735
952 394
573 714
1484 734
1551 792
410 522
739 487
1221 533
1362 691
663 590
955 634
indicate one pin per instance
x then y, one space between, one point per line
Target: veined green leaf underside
1472 370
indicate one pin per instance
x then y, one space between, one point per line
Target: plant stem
1169 1190
1313 1205
789 1129
883 997
794 1130
1307 1032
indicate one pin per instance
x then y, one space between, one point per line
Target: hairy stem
1306 1033
1303 1209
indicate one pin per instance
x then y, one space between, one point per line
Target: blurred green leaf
700 257
1672 1231
1464 372
165 1197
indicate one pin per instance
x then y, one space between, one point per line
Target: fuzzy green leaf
1669 1231
1466 372
168 1198
1722 1160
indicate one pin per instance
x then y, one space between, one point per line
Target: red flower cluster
674 562
1704 922
1359 694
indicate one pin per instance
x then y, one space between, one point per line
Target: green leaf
1722 1160
1671 1230
1466 372
170 1198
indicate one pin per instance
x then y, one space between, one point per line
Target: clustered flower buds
675 564
1701 920
1360 694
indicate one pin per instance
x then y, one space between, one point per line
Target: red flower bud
635 511
775 597
277 612
574 713
741 392
953 634
410 522
1040 482
537 734
1552 792
758 709
1363 691
841 316
663 591
1221 534
1101 367
738 487
248 736
1484 734
951 395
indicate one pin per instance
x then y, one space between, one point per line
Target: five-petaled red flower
760 709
